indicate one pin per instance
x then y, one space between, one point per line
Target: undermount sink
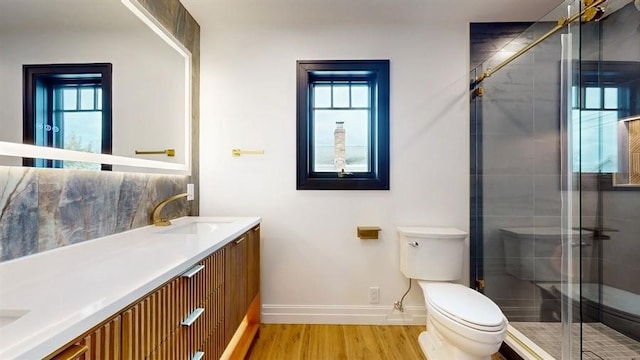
9 316
195 228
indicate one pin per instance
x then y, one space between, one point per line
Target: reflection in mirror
604 112
151 73
67 106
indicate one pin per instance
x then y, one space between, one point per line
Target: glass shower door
572 233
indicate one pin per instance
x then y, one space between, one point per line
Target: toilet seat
465 306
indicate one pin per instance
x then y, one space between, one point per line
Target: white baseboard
342 314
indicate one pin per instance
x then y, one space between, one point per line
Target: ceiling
327 12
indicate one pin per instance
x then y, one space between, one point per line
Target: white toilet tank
428 253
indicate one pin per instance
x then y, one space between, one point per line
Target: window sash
343 80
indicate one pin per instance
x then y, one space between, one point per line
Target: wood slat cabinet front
189 339
146 324
253 264
235 285
242 294
101 343
196 313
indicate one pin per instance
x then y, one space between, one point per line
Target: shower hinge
480 284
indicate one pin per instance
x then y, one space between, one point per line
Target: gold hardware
238 152
478 92
591 8
480 284
168 152
482 76
592 13
525 346
72 352
155 217
240 240
562 21
368 232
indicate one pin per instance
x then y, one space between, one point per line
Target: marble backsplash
43 209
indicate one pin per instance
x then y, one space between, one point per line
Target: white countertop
69 290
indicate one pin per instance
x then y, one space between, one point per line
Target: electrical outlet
374 295
190 192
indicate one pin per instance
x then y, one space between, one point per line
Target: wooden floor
319 342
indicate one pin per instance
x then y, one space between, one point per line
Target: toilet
462 324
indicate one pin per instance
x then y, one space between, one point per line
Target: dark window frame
375 72
54 74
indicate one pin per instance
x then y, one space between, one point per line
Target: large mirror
150 87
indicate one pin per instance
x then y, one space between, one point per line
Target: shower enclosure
555 182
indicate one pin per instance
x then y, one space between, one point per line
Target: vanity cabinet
203 313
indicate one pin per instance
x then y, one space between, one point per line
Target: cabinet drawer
202 334
150 321
212 275
215 343
181 344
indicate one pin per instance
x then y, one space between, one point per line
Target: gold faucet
155 217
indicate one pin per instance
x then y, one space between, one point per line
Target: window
343 125
68 106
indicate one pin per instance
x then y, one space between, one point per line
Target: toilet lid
464 305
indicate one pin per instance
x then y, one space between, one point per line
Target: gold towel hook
238 152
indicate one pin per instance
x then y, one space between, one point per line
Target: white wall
314 268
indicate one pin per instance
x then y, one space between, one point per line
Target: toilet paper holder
368 232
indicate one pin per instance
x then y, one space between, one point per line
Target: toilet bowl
462 324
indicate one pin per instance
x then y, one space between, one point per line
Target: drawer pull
194 270
240 240
195 314
198 355
257 228
72 352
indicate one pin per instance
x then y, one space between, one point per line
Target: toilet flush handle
414 244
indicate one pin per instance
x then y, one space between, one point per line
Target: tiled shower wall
518 174
42 209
